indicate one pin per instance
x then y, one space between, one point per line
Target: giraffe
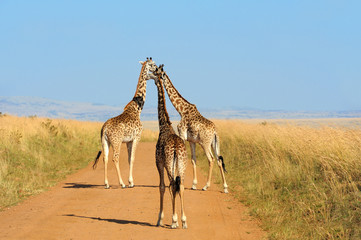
125 128
195 128
170 155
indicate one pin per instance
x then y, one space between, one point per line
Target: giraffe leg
161 191
219 162
181 195
116 150
105 159
225 186
210 161
131 156
175 216
194 162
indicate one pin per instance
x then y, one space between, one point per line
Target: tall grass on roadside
302 182
36 153
149 135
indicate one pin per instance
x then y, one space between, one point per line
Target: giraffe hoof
131 185
174 225
123 186
226 190
205 188
194 187
107 187
184 225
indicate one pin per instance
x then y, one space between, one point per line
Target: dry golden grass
149 135
303 182
35 153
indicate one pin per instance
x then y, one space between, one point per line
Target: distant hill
42 107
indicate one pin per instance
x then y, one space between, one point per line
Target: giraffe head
149 65
139 96
157 73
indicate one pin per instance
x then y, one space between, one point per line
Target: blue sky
284 55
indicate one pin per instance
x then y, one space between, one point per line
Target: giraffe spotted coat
126 128
195 128
170 155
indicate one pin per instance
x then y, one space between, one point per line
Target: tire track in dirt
80 208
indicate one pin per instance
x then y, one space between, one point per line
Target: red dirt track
80 208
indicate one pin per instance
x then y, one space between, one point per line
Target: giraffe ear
141 62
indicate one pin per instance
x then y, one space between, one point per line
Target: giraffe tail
96 160
177 183
177 179
223 165
216 150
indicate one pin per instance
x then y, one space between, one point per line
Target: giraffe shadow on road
86 185
82 185
146 186
118 221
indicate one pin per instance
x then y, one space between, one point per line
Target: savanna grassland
302 181
36 153
301 178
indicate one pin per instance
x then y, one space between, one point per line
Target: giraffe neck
163 117
140 92
180 104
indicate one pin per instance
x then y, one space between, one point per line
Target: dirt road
80 208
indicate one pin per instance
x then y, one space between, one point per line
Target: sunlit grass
36 153
302 182
149 135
